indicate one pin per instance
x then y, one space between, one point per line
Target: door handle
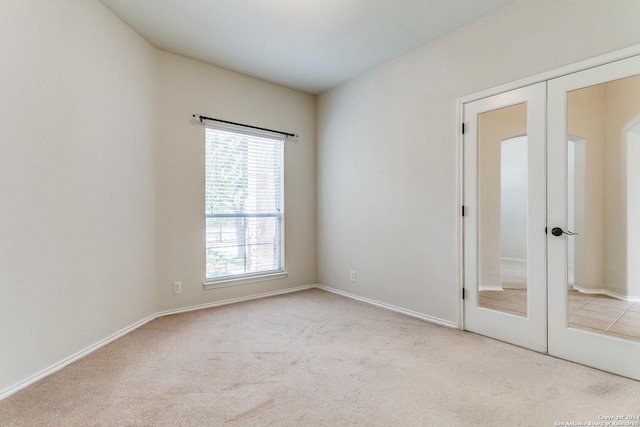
557 231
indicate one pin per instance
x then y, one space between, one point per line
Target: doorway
552 201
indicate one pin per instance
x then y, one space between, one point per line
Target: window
244 206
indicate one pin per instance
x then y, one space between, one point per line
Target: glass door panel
602 190
594 217
504 198
502 193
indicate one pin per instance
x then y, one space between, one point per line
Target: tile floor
512 301
599 314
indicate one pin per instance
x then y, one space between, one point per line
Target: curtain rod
293 135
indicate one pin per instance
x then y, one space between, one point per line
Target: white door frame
549 75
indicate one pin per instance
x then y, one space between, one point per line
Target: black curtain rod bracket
203 118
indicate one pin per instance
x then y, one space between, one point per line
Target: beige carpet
315 359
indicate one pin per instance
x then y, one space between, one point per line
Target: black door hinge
545 230
463 128
462 210
462 293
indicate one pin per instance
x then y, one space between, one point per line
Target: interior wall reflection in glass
604 208
503 189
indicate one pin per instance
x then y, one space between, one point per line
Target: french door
593 190
504 192
552 217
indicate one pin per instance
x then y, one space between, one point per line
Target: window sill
244 280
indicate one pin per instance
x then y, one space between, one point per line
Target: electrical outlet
177 288
353 276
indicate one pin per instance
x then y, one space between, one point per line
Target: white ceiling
308 45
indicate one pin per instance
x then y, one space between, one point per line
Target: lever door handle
557 231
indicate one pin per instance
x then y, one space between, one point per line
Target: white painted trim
513 259
234 300
73 358
459 231
529 332
404 311
215 284
497 288
606 292
79 355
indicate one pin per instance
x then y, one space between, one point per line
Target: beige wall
387 160
586 119
602 115
622 113
77 181
102 179
187 87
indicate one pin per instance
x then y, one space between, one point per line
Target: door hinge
545 230
463 128
462 293
462 210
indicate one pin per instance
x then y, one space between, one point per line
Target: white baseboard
621 297
234 300
392 308
79 355
519 260
491 288
73 358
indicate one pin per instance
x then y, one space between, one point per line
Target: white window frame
238 279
